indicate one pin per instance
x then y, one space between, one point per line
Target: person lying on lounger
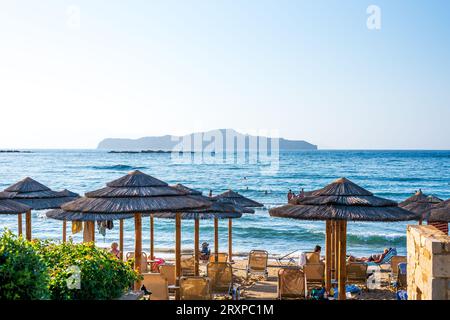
377 258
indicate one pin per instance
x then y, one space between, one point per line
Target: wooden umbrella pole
152 243
336 249
177 253
216 239
19 224
197 245
28 225
328 255
137 247
342 259
121 239
230 240
64 236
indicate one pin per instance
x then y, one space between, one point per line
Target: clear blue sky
310 69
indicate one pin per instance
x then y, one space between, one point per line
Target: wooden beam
19 224
152 234
197 245
28 225
177 252
336 248
64 236
230 240
216 239
121 239
137 247
342 274
89 231
328 255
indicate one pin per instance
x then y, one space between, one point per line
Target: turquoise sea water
391 174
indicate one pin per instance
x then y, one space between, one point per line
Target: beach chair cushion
168 271
221 277
314 272
157 284
291 283
195 288
222 257
357 273
187 265
257 260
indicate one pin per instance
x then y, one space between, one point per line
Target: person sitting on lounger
377 258
205 252
114 250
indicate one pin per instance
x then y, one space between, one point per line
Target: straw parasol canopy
343 200
12 207
135 193
440 213
337 203
36 195
239 199
420 203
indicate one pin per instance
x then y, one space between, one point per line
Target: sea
391 174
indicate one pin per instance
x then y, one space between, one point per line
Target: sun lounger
314 274
221 257
157 284
195 288
144 265
291 283
187 265
387 258
401 276
257 263
168 271
221 277
394 267
357 273
287 259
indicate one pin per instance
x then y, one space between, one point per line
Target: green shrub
23 273
103 276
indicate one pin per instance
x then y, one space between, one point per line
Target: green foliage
46 270
103 276
23 272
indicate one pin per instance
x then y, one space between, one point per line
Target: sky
75 72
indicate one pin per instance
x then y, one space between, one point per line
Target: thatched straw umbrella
13 207
337 203
420 203
137 193
241 201
37 197
439 216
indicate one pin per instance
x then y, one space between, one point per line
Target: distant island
168 143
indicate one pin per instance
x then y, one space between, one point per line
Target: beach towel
77 226
349 288
402 295
302 259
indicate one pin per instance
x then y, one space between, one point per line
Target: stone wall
428 263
